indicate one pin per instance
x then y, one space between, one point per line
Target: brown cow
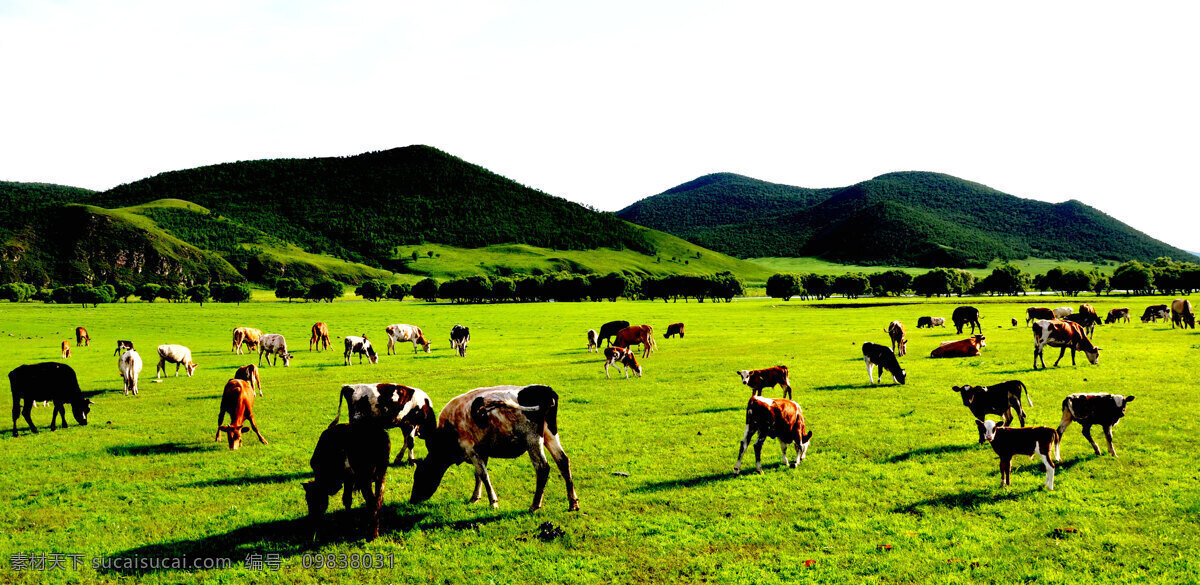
969 347
238 400
1181 314
774 417
767 378
245 335
895 330
637 335
674 329
1062 334
1038 313
81 337
320 337
249 373
66 349
1115 315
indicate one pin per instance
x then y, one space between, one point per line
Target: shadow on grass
717 410
968 501
658 486
942 450
212 397
261 479
161 449
843 387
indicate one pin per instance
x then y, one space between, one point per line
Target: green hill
909 218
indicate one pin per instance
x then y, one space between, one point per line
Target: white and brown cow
247 336
1115 315
361 346
130 366
320 337
624 358
1009 442
593 341
400 332
895 331
502 422
390 406
174 354
1105 410
249 373
1181 314
778 418
273 345
767 378
1065 335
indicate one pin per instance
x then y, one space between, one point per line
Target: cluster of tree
325 290
86 294
377 290
563 287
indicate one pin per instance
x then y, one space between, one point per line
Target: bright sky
608 102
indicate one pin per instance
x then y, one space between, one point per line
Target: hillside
909 218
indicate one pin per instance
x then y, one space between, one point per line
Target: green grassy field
894 490
818 266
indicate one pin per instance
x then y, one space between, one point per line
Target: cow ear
957 388
1128 399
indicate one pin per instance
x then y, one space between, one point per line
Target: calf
997 399
245 335
1181 314
66 349
398 333
249 373
642 335
1006 442
778 418
624 357
459 338
674 329
882 356
273 345
966 315
361 346
122 347
1037 314
1154 313
238 401
610 329
1014 321
130 366
767 378
1105 410
502 422
81 337
347 458
319 338
895 331
937 322
1062 312
1115 315
52 381
969 347
390 406
1064 335
174 354
593 341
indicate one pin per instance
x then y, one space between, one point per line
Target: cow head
979 340
287 359
190 366
631 362
81 409
371 355
1120 401
988 427
805 440
234 434
745 374
424 342
968 393
1093 355
901 376
443 452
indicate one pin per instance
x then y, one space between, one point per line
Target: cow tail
341 396
1028 398
545 400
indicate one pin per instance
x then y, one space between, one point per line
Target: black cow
1105 410
882 356
459 338
610 329
965 315
123 346
1088 321
47 381
349 457
998 399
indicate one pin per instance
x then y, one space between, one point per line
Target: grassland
819 266
895 489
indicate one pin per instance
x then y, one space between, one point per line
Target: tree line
561 287
86 294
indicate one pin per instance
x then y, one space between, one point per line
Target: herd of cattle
510 421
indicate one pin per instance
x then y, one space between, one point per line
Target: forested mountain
908 218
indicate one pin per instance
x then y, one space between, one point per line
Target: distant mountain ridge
905 218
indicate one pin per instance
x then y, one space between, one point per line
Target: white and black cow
273 345
997 399
460 336
52 381
390 406
1105 410
882 356
361 346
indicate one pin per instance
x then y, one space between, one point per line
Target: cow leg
408 446
1072 356
348 492
1008 416
1049 467
1037 353
1108 435
1087 434
1005 471
783 448
606 364
481 475
1061 352
564 468
1020 412
742 448
162 365
250 417
542 469
220 421
26 412
870 370
762 438
787 391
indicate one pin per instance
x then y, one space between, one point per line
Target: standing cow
774 417
593 341
347 458
1181 314
400 332
1115 315
390 406
81 337
674 329
47 381
237 400
1064 335
610 329
66 349
249 373
130 366
247 336
966 315
1105 410
319 338
642 335
460 336
273 345
174 354
895 331
361 346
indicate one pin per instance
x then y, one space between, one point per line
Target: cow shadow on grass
690 482
160 449
969 500
261 479
719 410
940 450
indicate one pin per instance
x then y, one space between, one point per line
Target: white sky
608 102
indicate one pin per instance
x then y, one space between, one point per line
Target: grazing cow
642 335
767 378
998 399
390 406
273 345
238 401
398 333
1037 314
882 356
81 337
937 322
1014 321
1062 312
1105 410
1088 321
674 329
923 322
1181 314
319 338
593 341
970 347
361 346
174 354
249 373
774 417
624 357
1062 334
348 458
1154 313
966 315
245 335
130 366
52 381
66 349
610 329
459 338
122 347
895 330
502 422
1115 315
1007 442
